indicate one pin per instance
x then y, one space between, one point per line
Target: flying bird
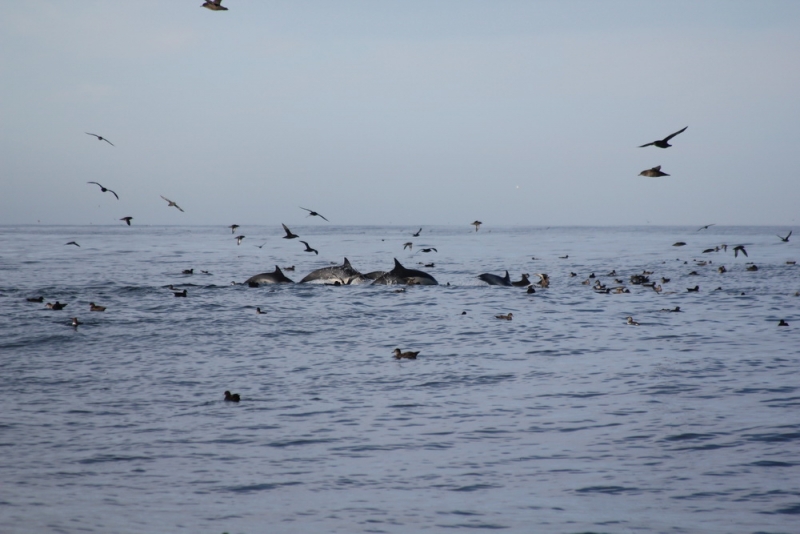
72 243
428 250
289 234
737 249
127 220
416 234
239 239
655 172
100 138
309 249
477 224
259 246
706 227
214 5
785 239
408 245
312 213
233 227
105 189
664 143
171 203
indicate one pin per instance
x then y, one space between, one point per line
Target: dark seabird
407 355
233 228
228 397
508 316
239 239
76 322
127 220
706 227
100 138
417 233
259 246
752 268
678 244
259 312
180 293
783 323
94 307
663 143
105 189
171 203
655 172
408 245
531 289
737 249
785 239
676 309
630 321
289 234
706 251
56 306
72 243
309 249
477 224
187 271
312 213
695 289
428 250
214 5
431 264
35 299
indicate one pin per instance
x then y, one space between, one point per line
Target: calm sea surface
563 420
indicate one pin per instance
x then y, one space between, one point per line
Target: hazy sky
400 112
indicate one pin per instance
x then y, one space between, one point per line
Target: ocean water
564 419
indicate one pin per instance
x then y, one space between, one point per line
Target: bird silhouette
312 213
417 233
655 172
105 189
100 138
663 143
289 234
706 227
171 203
737 249
309 249
785 239
214 5
239 239
72 243
127 220
477 225
233 227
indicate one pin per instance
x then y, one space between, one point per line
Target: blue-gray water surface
564 419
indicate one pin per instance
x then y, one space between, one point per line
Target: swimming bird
630 321
417 233
76 322
127 220
508 316
737 249
259 312
104 189
676 309
312 213
752 268
477 224
289 234
94 307
785 239
171 203
531 289
100 138
233 228
235 397
35 299
428 250
678 244
706 227
309 249
694 289
56 306
663 143
214 5
408 245
706 251
783 323
239 239
655 172
407 355
180 293
188 271
721 269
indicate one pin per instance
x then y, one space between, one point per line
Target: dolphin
401 275
495 280
344 273
275 277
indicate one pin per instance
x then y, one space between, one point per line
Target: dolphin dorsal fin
346 263
278 270
397 264
506 277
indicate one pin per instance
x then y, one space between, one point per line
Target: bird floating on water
171 203
232 397
76 322
312 213
100 138
630 321
655 172
508 316
664 143
95 308
104 189
398 355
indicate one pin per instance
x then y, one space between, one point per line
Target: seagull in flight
664 143
785 239
127 220
309 249
706 227
289 234
100 138
655 172
737 249
171 203
105 189
239 239
312 213
214 5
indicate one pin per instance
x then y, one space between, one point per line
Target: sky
400 112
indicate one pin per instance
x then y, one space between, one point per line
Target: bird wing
116 195
670 136
286 228
109 142
308 210
322 216
97 136
648 144
306 244
658 168
179 207
165 198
